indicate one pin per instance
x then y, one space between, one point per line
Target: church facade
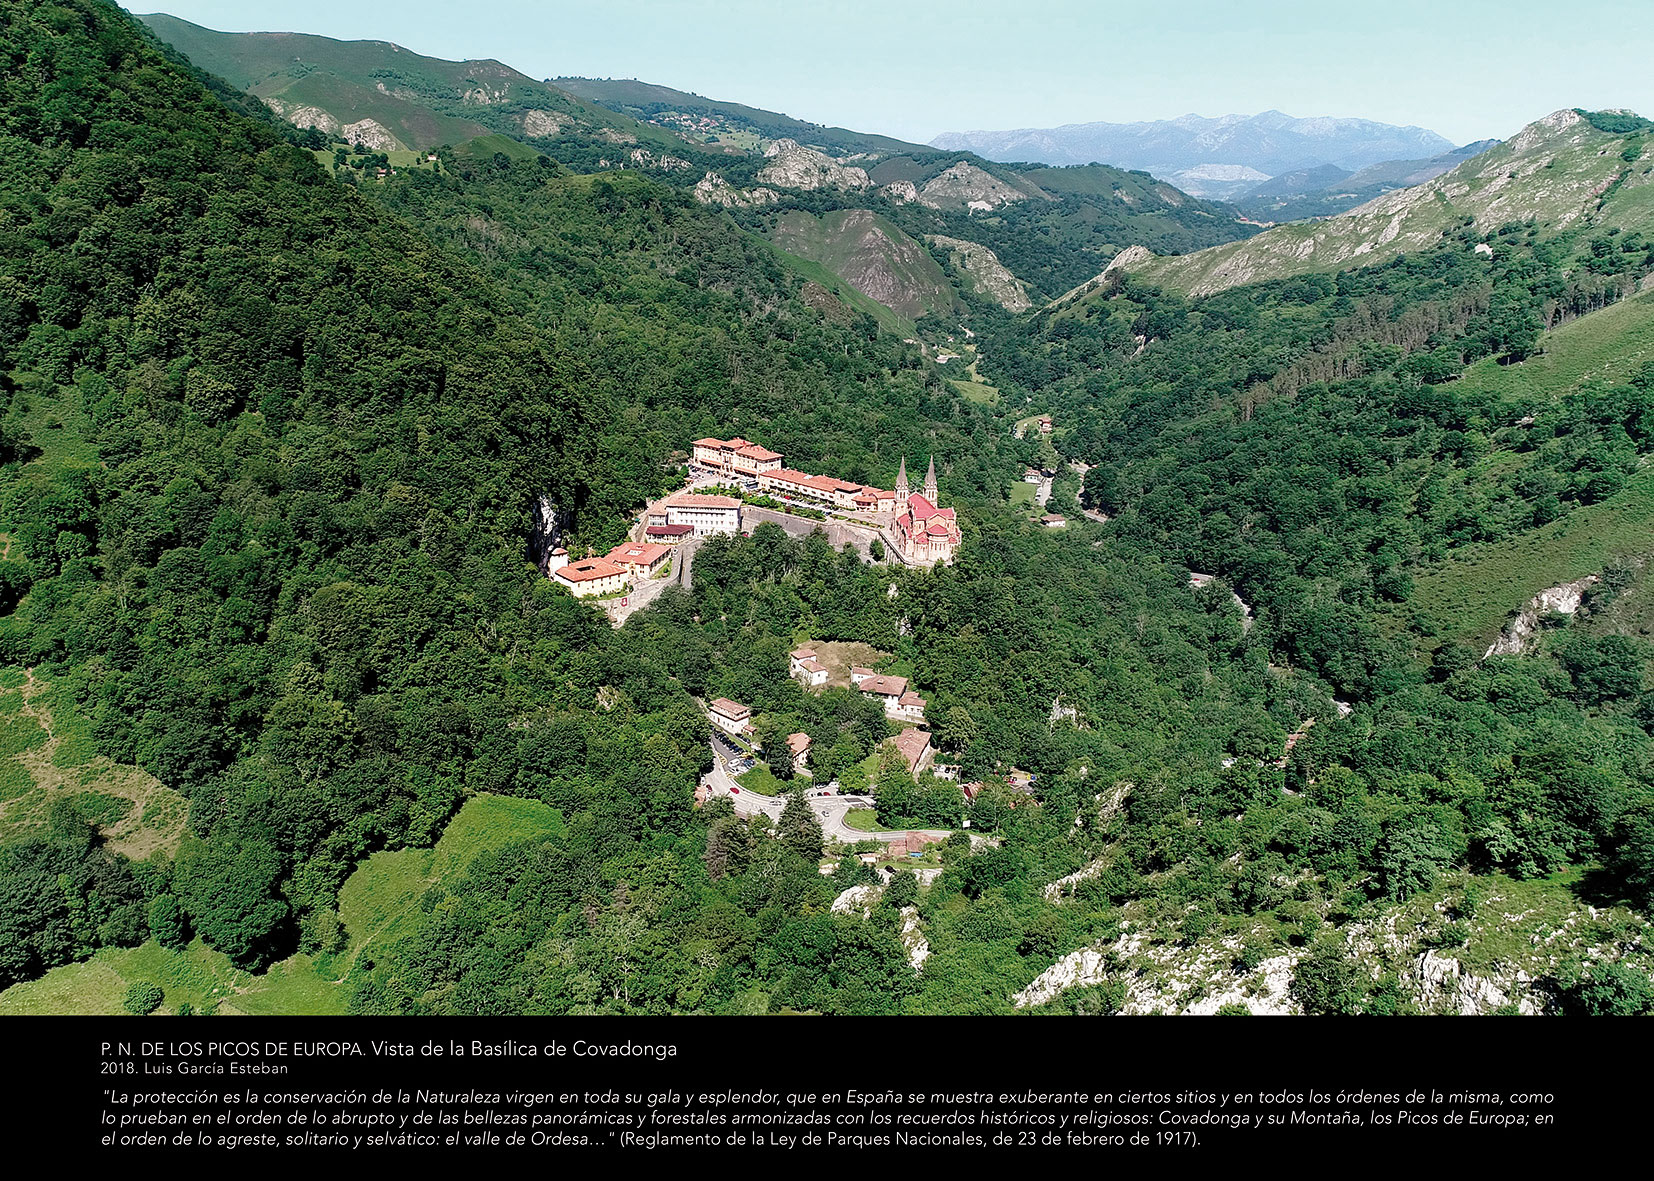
924 532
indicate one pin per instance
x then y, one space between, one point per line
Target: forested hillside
272 438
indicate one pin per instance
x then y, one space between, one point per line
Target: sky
1468 69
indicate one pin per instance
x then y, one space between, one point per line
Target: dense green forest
270 452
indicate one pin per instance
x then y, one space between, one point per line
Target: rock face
793 166
987 273
304 116
713 189
858 900
1557 600
371 134
1443 983
903 192
644 158
544 123
913 938
545 533
966 184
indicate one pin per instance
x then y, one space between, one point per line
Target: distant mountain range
1218 158
1328 189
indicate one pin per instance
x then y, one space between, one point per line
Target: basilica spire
901 486
930 481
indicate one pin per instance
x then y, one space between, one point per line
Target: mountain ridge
1271 142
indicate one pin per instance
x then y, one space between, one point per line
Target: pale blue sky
1468 69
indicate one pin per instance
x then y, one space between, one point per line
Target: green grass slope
871 255
422 101
378 903
1469 596
1559 172
708 120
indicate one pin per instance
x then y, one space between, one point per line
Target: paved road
830 810
648 590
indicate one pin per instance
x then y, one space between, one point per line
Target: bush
143 998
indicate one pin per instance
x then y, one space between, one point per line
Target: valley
322 359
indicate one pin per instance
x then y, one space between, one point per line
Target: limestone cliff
793 166
987 273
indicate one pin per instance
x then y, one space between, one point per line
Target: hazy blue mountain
1270 143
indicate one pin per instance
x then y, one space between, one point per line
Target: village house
668 534
1045 427
556 560
1054 521
899 701
805 666
924 533
641 558
735 457
914 746
591 576
730 716
799 744
704 514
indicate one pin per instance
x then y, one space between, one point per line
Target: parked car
734 791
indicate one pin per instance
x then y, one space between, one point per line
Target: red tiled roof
885 686
733 710
668 530
799 742
912 743
592 568
911 698
643 553
813 666
801 652
701 500
761 454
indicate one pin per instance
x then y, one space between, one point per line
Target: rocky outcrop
913 938
793 166
987 273
300 116
903 192
966 184
1443 984
1517 637
545 534
858 900
544 123
644 158
713 189
371 134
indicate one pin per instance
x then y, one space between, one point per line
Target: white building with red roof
799 744
705 514
591 576
640 557
730 716
735 457
924 532
804 665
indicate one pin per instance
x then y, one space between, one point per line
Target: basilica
924 532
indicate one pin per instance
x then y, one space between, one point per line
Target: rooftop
591 568
638 552
730 709
885 686
702 500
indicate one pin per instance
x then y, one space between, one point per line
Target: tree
1326 983
142 998
800 830
1611 990
168 925
903 890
